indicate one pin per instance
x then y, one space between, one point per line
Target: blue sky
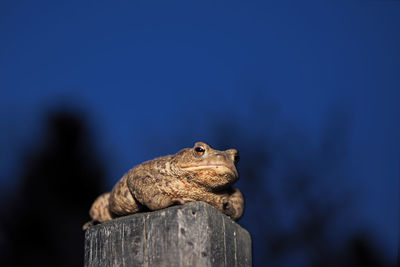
142 70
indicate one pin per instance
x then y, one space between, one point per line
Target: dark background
307 91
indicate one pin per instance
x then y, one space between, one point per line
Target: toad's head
208 167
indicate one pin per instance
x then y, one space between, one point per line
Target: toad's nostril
233 155
236 157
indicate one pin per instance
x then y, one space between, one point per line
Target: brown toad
193 174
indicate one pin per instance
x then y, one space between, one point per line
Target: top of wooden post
194 234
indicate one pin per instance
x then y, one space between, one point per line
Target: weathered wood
194 234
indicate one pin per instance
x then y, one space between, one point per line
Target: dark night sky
159 72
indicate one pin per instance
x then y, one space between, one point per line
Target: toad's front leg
229 202
233 203
149 190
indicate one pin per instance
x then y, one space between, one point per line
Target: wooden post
194 234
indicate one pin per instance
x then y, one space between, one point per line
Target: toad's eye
199 150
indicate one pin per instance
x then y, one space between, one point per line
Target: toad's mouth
218 167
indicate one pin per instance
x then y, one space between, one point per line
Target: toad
200 173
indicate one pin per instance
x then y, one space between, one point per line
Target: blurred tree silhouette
59 182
